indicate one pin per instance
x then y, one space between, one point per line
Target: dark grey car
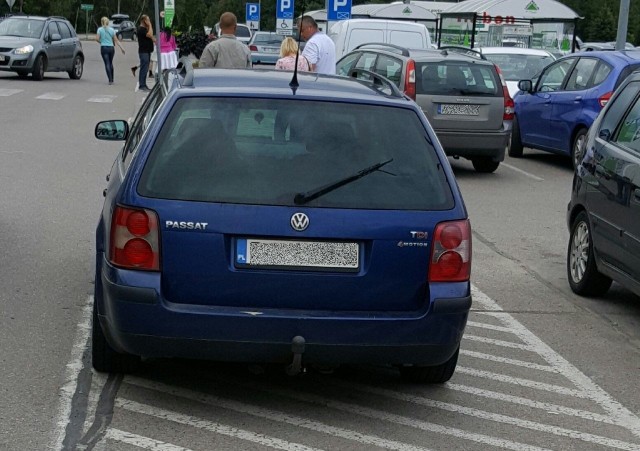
464 97
604 212
35 45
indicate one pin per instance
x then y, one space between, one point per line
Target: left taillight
509 106
451 252
135 239
410 79
604 99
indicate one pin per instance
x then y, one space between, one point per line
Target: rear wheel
103 357
38 68
515 149
577 149
582 272
430 374
76 71
485 164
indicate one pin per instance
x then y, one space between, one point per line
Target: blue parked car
248 218
554 112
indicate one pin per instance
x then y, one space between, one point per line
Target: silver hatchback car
463 95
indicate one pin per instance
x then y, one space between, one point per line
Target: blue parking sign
338 10
253 12
284 9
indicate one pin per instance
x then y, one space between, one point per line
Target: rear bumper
137 320
475 144
264 58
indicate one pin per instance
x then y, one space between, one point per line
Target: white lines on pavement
102 99
549 407
9 92
210 426
495 358
51 96
525 173
505 344
489 327
490 416
586 386
274 415
141 442
71 374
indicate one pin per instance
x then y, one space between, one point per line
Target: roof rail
391 47
377 81
463 50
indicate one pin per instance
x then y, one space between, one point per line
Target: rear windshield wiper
303 198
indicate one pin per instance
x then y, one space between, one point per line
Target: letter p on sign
253 9
337 4
285 5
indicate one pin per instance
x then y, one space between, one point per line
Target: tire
103 357
485 164
578 146
119 36
438 374
38 68
515 149
582 272
76 71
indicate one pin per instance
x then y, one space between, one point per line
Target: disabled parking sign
253 16
284 17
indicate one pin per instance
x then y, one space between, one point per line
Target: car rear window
267 151
519 67
268 39
243 32
457 78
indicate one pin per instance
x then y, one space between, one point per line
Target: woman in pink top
169 59
288 51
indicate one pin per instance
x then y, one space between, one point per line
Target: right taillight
451 252
253 48
410 79
135 240
509 106
604 99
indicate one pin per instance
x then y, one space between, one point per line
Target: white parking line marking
490 416
522 363
51 96
72 371
552 408
522 382
102 99
9 92
504 344
274 415
621 414
141 442
525 173
217 428
489 327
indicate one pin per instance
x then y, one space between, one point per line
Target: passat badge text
188 225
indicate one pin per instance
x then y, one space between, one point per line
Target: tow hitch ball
297 347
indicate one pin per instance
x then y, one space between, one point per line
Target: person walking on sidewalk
145 48
106 36
226 52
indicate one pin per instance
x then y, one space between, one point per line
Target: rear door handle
578 98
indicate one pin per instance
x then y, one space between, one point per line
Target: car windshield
264 39
457 78
24 28
267 151
520 67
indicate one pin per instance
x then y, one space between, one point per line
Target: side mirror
114 130
604 134
525 85
56 37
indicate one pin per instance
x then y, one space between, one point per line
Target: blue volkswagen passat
251 218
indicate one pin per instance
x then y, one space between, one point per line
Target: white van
348 34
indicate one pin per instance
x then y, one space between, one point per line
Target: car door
68 44
55 49
567 104
534 110
613 198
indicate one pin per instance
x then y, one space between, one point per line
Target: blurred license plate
463 110
289 254
270 50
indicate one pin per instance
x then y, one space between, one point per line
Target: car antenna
293 84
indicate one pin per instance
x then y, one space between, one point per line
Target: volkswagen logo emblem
299 222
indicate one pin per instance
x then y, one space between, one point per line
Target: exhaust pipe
297 347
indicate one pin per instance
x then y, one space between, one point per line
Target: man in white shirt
319 50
